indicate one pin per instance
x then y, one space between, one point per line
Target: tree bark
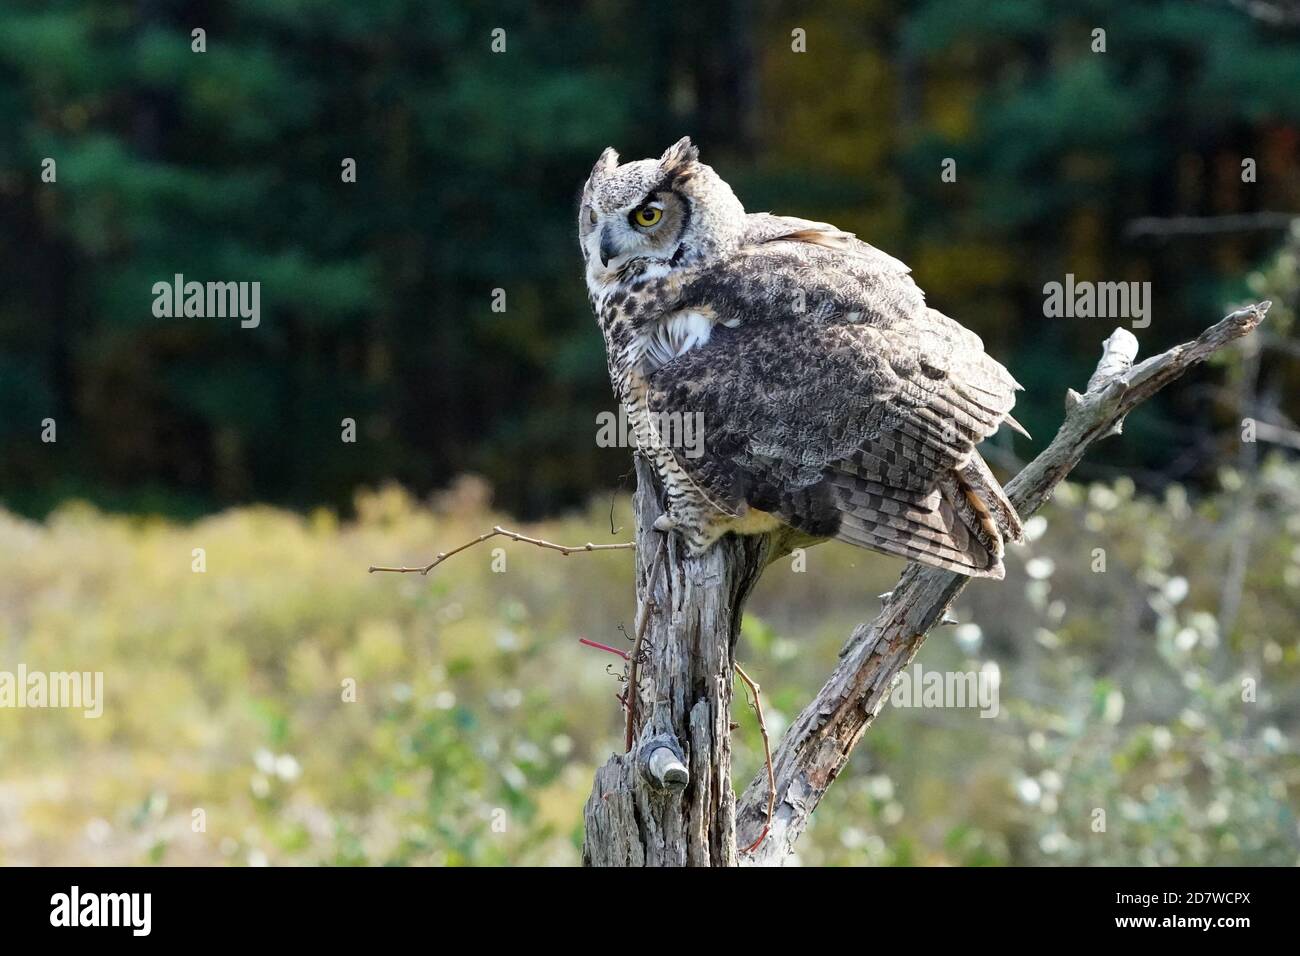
669 800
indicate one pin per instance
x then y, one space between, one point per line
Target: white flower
1175 589
880 787
287 767
264 760
1028 790
968 637
1040 568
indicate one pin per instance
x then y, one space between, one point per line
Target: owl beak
607 248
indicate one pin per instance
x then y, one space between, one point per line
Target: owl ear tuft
678 156
607 163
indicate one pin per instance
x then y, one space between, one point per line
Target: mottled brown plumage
833 399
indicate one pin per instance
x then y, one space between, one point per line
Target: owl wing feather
835 399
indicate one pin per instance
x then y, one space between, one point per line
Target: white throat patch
669 337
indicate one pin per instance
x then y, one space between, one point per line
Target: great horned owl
832 398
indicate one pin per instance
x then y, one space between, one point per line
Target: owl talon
664 523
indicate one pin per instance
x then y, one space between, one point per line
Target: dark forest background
376 296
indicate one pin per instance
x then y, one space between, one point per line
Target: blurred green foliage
475 704
225 165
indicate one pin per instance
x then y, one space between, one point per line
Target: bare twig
513 536
757 704
613 498
818 743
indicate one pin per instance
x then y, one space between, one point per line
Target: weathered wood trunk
644 810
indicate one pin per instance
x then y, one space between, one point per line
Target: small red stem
602 647
754 846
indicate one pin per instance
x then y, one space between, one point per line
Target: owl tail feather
960 526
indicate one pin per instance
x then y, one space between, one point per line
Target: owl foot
665 523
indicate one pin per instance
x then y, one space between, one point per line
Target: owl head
665 212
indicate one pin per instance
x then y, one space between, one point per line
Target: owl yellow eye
647 216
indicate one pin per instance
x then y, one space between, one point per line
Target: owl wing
832 397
